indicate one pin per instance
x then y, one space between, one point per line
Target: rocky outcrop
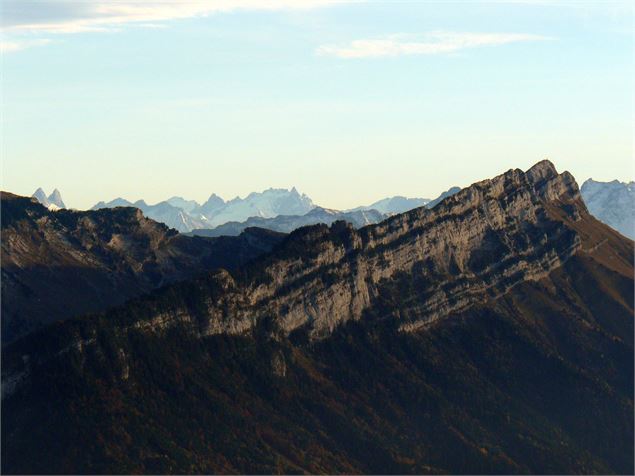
479 334
57 265
471 247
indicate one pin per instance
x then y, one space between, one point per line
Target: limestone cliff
471 247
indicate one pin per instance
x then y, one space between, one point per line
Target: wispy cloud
71 16
437 42
17 45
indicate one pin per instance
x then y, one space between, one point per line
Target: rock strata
471 247
62 264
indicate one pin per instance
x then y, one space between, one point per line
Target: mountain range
186 215
284 210
491 333
65 263
358 217
164 212
394 205
288 223
276 209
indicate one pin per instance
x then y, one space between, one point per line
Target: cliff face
491 334
61 264
472 247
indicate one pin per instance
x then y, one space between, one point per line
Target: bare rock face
488 327
62 264
472 247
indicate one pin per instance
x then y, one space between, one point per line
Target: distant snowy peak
41 197
186 205
444 195
395 205
55 198
267 204
212 205
261 208
398 204
163 212
592 187
52 202
612 203
117 202
288 223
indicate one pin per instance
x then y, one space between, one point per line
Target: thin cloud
18 45
67 16
433 43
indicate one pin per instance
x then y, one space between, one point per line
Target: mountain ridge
492 333
288 223
253 210
340 247
76 262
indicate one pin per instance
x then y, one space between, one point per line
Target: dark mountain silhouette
61 264
492 333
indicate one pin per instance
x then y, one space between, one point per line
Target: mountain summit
490 334
62 264
267 204
53 201
55 198
186 215
481 241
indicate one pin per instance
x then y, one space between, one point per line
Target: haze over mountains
492 333
397 204
284 210
80 262
163 212
612 203
260 208
288 223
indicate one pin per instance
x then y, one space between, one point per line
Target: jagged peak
41 197
542 170
215 198
55 198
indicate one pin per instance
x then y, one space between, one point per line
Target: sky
350 102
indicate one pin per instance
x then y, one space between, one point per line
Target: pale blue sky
349 102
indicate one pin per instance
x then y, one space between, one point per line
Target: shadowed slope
61 264
491 334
